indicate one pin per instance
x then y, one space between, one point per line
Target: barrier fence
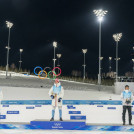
65 102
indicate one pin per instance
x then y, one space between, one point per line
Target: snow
93 113
25 93
29 88
21 80
57 132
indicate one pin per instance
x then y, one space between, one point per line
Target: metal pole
116 61
58 65
110 65
58 61
20 62
99 77
8 53
54 60
54 57
84 68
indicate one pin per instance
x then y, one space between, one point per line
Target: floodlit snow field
25 93
18 88
57 132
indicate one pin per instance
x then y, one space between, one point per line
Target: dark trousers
125 108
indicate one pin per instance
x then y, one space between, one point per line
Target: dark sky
37 23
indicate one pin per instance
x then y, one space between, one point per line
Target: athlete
127 99
56 93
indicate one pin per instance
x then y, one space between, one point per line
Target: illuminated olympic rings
54 77
53 71
41 73
36 68
47 74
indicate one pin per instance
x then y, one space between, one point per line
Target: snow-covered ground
10 73
21 80
33 88
25 93
93 113
57 132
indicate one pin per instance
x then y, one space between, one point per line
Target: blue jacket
56 90
127 96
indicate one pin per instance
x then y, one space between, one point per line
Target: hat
126 86
57 80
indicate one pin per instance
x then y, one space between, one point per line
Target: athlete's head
57 81
126 87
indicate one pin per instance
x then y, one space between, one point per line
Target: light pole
102 74
21 50
117 38
100 14
101 58
9 25
59 56
84 65
110 67
133 67
54 45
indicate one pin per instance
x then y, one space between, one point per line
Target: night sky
37 23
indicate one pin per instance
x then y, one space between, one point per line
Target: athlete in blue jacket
56 93
127 99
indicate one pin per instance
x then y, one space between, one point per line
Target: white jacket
124 99
60 95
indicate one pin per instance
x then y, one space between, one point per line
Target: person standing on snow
56 93
127 99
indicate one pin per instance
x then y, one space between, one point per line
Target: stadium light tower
59 56
84 65
100 14
110 67
21 50
54 45
9 25
117 38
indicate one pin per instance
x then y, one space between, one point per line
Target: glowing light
100 14
110 58
117 36
84 51
54 44
101 58
21 50
59 55
9 24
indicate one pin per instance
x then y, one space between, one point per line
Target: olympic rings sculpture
47 75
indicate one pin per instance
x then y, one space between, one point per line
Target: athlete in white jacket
56 93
